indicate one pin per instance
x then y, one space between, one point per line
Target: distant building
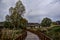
58 22
54 23
33 25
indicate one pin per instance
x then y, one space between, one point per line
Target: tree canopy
46 22
15 17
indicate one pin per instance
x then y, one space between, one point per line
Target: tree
15 17
7 24
20 7
46 22
23 23
7 18
11 10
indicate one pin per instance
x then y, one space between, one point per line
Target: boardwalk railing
22 37
41 35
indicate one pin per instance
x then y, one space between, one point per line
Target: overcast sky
36 10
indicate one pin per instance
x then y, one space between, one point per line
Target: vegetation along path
31 36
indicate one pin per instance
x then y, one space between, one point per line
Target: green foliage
8 25
46 22
20 7
54 32
15 17
23 22
55 28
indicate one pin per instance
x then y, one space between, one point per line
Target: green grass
54 32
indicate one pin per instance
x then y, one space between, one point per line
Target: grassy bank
54 32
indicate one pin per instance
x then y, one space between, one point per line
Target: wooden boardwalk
31 36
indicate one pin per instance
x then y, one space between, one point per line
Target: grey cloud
36 10
4 8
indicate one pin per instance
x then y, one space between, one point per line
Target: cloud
4 8
36 10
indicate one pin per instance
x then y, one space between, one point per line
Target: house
33 25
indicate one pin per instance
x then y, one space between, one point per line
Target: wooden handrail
22 37
41 35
